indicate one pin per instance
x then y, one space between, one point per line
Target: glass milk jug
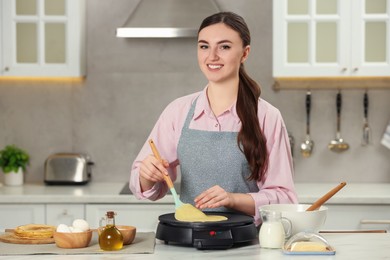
272 233
110 238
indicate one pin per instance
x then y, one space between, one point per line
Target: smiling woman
232 146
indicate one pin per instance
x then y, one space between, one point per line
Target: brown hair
250 139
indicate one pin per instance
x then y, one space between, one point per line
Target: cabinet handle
375 221
6 69
65 212
344 69
355 69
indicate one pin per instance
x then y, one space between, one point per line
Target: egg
80 224
77 230
63 228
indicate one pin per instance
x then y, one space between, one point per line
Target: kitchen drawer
21 214
352 217
143 216
64 213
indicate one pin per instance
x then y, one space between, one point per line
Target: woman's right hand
151 171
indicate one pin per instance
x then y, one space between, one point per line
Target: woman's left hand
214 197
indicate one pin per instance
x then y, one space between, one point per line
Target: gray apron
210 158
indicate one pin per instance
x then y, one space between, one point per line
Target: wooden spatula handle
158 156
327 196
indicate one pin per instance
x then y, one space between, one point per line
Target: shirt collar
203 107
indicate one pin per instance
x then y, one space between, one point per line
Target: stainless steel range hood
166 18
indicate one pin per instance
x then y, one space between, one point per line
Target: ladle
327 196
308 144
178 202
338 145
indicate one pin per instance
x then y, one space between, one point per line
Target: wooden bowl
128 233
72 240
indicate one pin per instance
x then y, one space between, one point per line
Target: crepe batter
189 213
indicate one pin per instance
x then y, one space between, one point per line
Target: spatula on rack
178 202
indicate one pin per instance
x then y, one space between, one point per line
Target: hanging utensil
308 144
338 144
318 203
366 127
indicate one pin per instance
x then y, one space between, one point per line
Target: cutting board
9 237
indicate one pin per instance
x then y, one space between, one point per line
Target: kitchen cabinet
142 216
20 214
331 38
64 213
42 38
357 217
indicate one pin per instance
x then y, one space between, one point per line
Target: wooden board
9 237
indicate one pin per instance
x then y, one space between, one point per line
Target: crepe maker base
237 229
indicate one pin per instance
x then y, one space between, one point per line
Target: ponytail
250 139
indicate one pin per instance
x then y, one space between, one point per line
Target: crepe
189 213
34 231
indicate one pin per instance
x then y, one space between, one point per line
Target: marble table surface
347 246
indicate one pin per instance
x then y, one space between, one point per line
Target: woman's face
220 52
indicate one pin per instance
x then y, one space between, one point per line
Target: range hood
166 18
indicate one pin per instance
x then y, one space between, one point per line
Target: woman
232 146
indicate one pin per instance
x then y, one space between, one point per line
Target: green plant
12 157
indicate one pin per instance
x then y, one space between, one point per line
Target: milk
272 235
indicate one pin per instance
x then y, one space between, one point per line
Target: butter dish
306 243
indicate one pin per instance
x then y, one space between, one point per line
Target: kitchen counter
99 192
347 246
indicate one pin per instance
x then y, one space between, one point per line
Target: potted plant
13 162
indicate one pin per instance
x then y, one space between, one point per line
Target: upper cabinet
42 38
331 38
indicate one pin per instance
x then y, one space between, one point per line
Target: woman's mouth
214 66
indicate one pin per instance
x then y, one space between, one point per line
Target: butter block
308 246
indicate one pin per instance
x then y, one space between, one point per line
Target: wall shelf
327 83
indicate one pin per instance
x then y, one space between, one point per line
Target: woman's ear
246 53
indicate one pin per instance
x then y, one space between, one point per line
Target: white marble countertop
99 192
347 246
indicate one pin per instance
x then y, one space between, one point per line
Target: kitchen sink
126 190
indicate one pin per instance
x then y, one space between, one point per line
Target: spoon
366 127
307 145
338 144
327 196
178 202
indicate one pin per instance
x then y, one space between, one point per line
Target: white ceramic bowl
302 220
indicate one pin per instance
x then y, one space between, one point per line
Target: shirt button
216 125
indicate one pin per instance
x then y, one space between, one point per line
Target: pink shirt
277 187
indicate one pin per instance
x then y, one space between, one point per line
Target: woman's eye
203 46
225 47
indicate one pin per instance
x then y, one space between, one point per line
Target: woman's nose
213 54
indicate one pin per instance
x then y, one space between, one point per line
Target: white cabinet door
370 40
43 38
352 217
143 216
12 216
64 213
338 38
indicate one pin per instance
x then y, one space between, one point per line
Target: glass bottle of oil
110 238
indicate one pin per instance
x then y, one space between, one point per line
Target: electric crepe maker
238 229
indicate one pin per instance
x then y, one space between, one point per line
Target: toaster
67 168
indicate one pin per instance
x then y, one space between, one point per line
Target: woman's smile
214 66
